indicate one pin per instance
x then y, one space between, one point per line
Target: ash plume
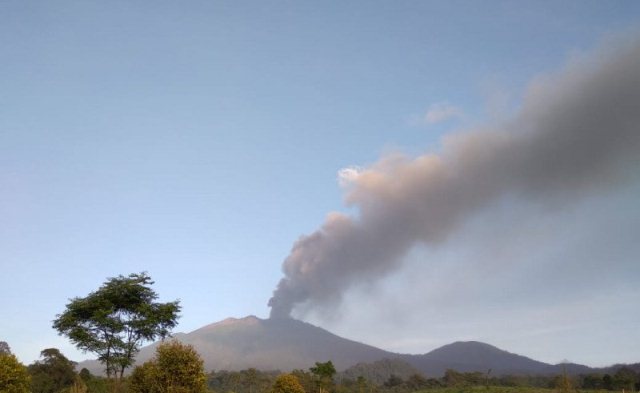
577 132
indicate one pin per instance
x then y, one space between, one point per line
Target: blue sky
197 141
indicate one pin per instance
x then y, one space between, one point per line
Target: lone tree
114 321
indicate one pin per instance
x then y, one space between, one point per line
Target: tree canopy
287 383
114 321
53 373
176 368
4 348
324 373
14 377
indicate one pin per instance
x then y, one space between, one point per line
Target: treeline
624 378
176 364
254 381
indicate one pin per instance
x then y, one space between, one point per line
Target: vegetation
324 373
115 320
53 373
287 383
452 382
176 368
14 377
4 348
94 384
380 371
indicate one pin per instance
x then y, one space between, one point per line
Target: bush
176 368
14 377
287 383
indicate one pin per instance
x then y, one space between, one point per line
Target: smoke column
577 132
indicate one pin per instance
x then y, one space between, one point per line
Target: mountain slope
286 344
267 344
469 356
270 344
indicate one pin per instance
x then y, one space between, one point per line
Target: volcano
286 344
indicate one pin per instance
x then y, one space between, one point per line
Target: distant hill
287 344
472 356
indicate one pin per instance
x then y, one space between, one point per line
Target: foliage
78 386
625 379
94 384
324 373
393 381
244 381
455 378
563 382
379 372
114 321
14 377
4 348
306 379
143 378
176 368
287 383
53 373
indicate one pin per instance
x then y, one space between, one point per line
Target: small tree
625 379
287 383
14 377
53 373
176 368
114 321
563 382
324 373
4 348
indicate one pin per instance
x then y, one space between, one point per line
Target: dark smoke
577 132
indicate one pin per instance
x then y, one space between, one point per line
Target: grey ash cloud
577 132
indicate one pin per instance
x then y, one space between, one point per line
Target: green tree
362 384
453 378
593 381
624 379
250 378
324 373
176 368
287 383
4 348
78 386
416 382
143 379
94 384
14 377
114 321
53 373
306 379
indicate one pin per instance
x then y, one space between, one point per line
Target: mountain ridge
286 344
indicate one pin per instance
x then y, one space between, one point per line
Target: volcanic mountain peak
287 344
247 321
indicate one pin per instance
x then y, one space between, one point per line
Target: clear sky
199 140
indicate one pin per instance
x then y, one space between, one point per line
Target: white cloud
441 112
348 175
